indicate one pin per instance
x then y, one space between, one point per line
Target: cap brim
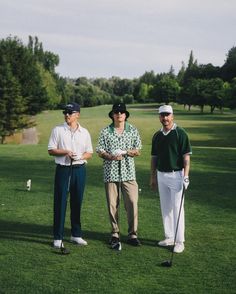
110 114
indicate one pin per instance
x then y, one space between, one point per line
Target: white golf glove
76 156
186 182
119 152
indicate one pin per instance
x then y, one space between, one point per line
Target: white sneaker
78 241
179 247
58 244
166 242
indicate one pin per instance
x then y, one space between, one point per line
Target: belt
169 171
78 165
73 165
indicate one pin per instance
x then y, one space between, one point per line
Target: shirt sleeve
101 146
137 141
89 146
53 140
185 143
154 149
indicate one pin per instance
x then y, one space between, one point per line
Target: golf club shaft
70 174
177 225
119 195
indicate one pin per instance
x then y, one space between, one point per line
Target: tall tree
214 91
12 104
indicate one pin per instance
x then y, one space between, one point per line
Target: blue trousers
70 179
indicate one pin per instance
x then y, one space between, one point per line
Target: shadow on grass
42 234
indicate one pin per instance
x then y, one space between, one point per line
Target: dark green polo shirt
170 149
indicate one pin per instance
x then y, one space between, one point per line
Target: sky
124 38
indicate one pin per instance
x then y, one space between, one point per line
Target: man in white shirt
71 146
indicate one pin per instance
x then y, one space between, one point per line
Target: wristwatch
186 180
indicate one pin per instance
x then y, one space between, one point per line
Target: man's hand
186 182
119 152
76 156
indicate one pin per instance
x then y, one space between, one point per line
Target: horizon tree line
29 84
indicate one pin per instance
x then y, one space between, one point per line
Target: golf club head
116 246
166 263
64 251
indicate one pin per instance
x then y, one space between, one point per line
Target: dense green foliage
30 265
28 72
28 83
195 85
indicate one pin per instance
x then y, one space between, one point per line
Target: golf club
117 246
168 263
70 174
63 250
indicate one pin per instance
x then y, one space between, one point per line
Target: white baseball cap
166 109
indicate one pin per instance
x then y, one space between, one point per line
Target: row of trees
195 84
30 84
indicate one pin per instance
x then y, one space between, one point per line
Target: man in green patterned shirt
118 144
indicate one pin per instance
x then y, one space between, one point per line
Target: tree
229 68
25 70
122 86
50 86
192 71
148 78
143 92
193 94
208 71
12 104
214 93
166 90
229 96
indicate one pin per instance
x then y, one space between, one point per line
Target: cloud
125 37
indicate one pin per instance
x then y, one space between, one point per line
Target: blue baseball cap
72 107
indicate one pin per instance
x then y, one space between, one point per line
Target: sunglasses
118 111
164 114
69 112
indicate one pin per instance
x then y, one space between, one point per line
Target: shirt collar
68 127
173 128
111 128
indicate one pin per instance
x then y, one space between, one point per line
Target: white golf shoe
179 247
166 242
78 241
58 244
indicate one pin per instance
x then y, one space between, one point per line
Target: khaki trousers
129 191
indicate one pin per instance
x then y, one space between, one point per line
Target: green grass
29 265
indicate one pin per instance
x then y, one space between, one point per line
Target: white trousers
170 186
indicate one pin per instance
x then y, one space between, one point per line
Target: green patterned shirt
109 140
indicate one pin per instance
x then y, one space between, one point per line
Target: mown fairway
28 264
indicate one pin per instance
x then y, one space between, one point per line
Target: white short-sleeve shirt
78 141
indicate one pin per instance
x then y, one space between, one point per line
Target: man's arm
60 152
153 176
108 156
186 159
